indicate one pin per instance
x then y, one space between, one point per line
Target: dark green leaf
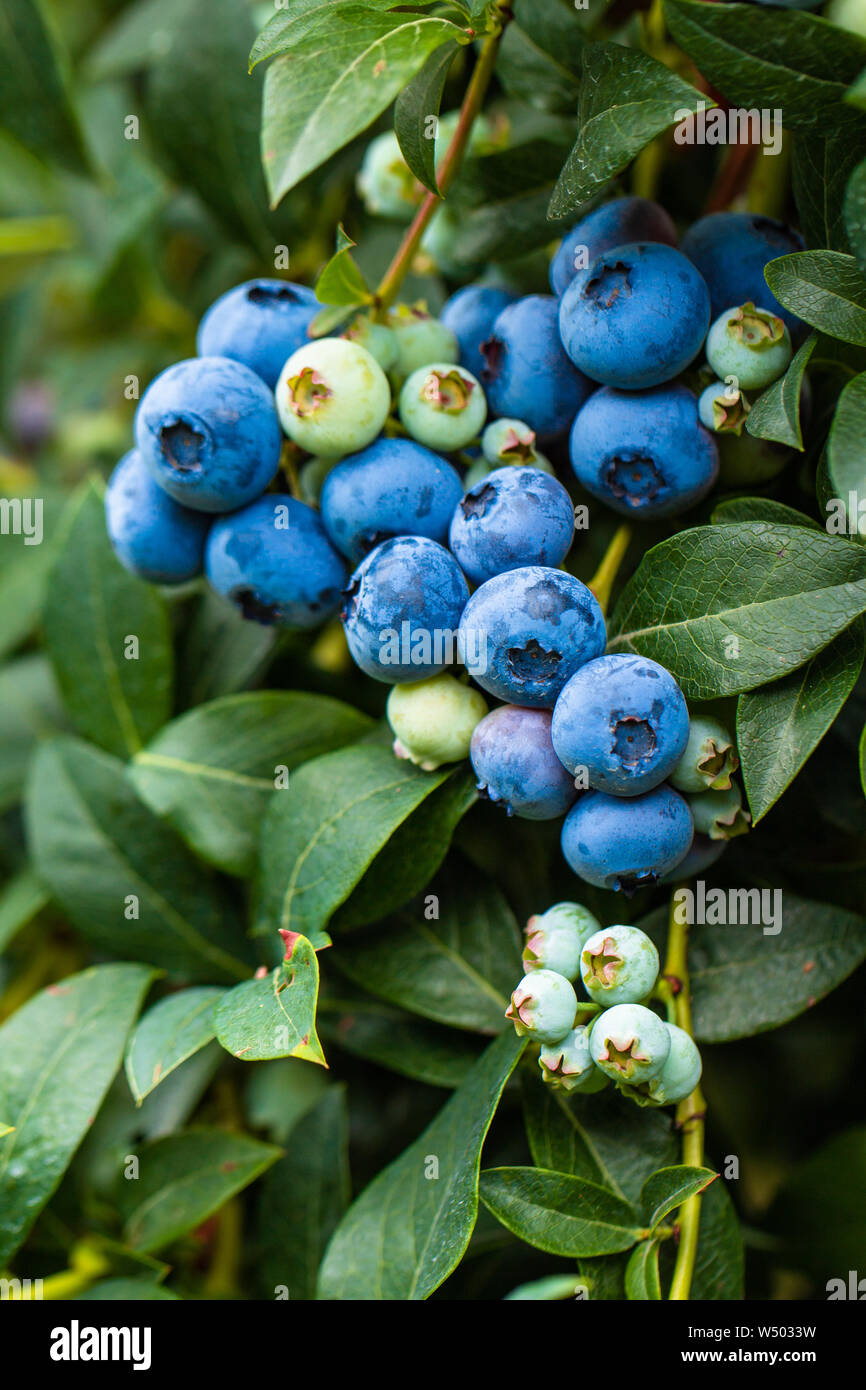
105 859
846 459
409 1229
425 1052
29 710
558 1212
728 608
720 1262
825 288
20 901
642 1273
221 652
36 104
862 752
58 1055
284 30
627 98
23 585
776 413
512 191
126 1291
855 214
781 725
137 39
539 57
275 1016
420 100
108 637
737 509
169 1033
184 1178
211 773
820 1212
668 1188
820 169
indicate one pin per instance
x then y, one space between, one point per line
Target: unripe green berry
385 183
554 939
709 757
619 965
720 814
509 441
420 339
629 1043
745 460
543 1006
568 1065
750 344
723 408
678 1077
433 720
312 476
332 397
443 406
379 340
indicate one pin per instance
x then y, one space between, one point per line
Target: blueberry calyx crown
307 392
447 391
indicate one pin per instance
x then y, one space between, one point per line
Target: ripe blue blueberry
730 249
527 373
394 487
720 814
523 634
332 397
619 965
208 432
443 406
723 408
543 1006
259 323
645 454
627 844
152 535
623 722
274 561
750 344
515 764
636 317
616 223
568 1066
515 517
433 720
629 1043
554 939
702 856
401 610
709 757
470 315
678 1077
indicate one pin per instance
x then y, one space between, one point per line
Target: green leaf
558 1212
116 695
736 509
846 457
169 1033
221 652
781 725
409 1229
126 1291
728 608
668 1188
341 282
458 970
826 289
284 30
105 859
540 53
419 100
58 1055
797 62
820 1212
184 1178
139 36
749 976
30 710
555 1286
275 1016
856 93
21 899
303 1198
211 773
627 98
511 191
820 169
425 1052
776 412
854 210
36 103
321 834
720 1262
642 1282
23 586
862 755
334 83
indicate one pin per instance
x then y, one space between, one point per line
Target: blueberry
543 1006
636 316
524 634
152 535
433 720
613 224
527 373
568 1065
645 454
554 939
394 487
723 408
515 764
627 844
507 441
629 1043
720 814
515 517
750 344
401 610
333 397
259 323
730 249
470 315
746 461
702 856
385 183
619 965
274 561
678 1077
443 406
421 339
622 720
208 432
709 757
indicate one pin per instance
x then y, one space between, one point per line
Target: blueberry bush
432 593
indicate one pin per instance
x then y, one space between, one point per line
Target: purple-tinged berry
527 373
515 764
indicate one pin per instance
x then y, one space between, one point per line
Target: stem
691 1111
445 174
602 581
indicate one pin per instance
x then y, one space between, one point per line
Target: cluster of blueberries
381 524
613 1035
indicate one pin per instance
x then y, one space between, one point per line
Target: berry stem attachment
691 1111
448 167
603 580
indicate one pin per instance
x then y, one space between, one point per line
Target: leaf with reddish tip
275 1016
